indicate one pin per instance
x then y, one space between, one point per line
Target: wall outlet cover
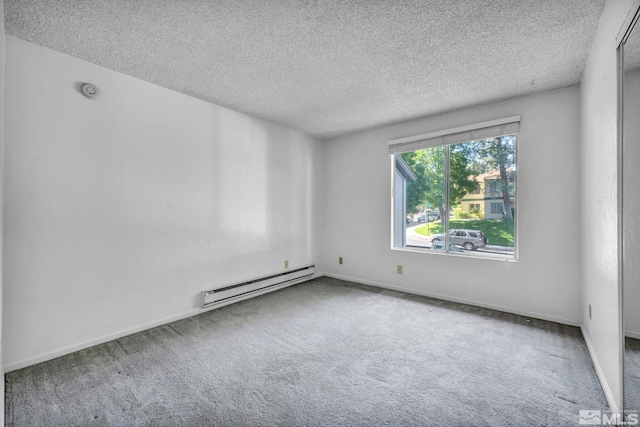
399 269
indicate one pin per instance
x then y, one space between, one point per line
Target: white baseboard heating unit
245 289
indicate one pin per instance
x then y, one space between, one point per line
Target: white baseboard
603 381
114 336
96 341
523 313
632 334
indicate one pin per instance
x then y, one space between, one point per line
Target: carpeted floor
322 353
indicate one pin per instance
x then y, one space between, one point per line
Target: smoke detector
89 90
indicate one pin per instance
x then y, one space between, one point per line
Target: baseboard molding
523 313
632 334
116 335
599 372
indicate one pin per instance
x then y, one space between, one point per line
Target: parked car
439 246
468 239
428 217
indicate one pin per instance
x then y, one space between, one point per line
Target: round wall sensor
89 90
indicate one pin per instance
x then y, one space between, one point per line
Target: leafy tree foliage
496 154
462 173
466 161
429 167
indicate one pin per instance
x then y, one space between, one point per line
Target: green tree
462 172
429 167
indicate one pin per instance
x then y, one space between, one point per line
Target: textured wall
599 187
121 209
544 283
631 202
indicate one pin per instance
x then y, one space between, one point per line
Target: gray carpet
322 353
632 374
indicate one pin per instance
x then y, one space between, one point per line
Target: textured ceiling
326 68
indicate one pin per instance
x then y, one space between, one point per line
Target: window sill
465 254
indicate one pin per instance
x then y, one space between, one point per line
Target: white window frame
447 137
501 207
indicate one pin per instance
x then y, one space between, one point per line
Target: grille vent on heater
242 290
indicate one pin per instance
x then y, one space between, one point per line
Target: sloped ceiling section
326 68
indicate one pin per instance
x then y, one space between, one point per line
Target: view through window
458 198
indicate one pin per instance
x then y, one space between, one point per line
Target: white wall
121 210
545 283
599 185
631 204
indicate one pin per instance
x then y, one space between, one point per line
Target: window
444 172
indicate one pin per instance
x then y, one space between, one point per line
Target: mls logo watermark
590 417
596 417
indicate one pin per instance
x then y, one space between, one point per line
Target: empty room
320 213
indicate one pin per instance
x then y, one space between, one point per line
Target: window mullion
445 214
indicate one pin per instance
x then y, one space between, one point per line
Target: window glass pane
425 196
477 217
490 164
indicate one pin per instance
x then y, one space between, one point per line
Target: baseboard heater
242 290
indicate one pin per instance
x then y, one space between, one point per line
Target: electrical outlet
399 269
589 311
286 263
339 260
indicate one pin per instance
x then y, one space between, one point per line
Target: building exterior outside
486 201
403 174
